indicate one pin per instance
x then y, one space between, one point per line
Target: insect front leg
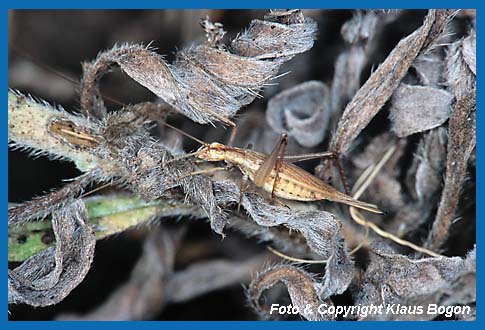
242 189
209 170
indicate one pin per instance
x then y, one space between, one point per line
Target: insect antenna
203 143
58 72
101 187
185 133
290 258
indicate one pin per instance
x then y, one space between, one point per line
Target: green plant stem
108 215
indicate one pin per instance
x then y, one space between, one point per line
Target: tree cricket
273 174
269 172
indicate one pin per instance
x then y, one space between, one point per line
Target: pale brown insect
274 175
285 180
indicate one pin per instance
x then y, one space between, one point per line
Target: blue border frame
342 4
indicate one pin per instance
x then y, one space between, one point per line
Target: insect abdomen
289 190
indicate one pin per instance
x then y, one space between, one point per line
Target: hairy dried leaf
203 277
461 143
429 68
382 83
206 84
143 295
282 35
461 140
301 288
321 230
418 108
470 51
41 207
360 33
395 279
424 182
142 163
281 239
460 77
431 154
49 276
301 111
346 80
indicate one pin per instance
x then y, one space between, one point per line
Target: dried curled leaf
429 68
470 51
282 35
124 149
204 277
142 296
460 77
461 139
142 163
301 288
281 239
424 182
382 83
419 108
321 230
207 83
49 276
41 207
301 111
431 154
346 80
393 279
360 33
461 143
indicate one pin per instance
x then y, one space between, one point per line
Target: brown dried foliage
429 116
